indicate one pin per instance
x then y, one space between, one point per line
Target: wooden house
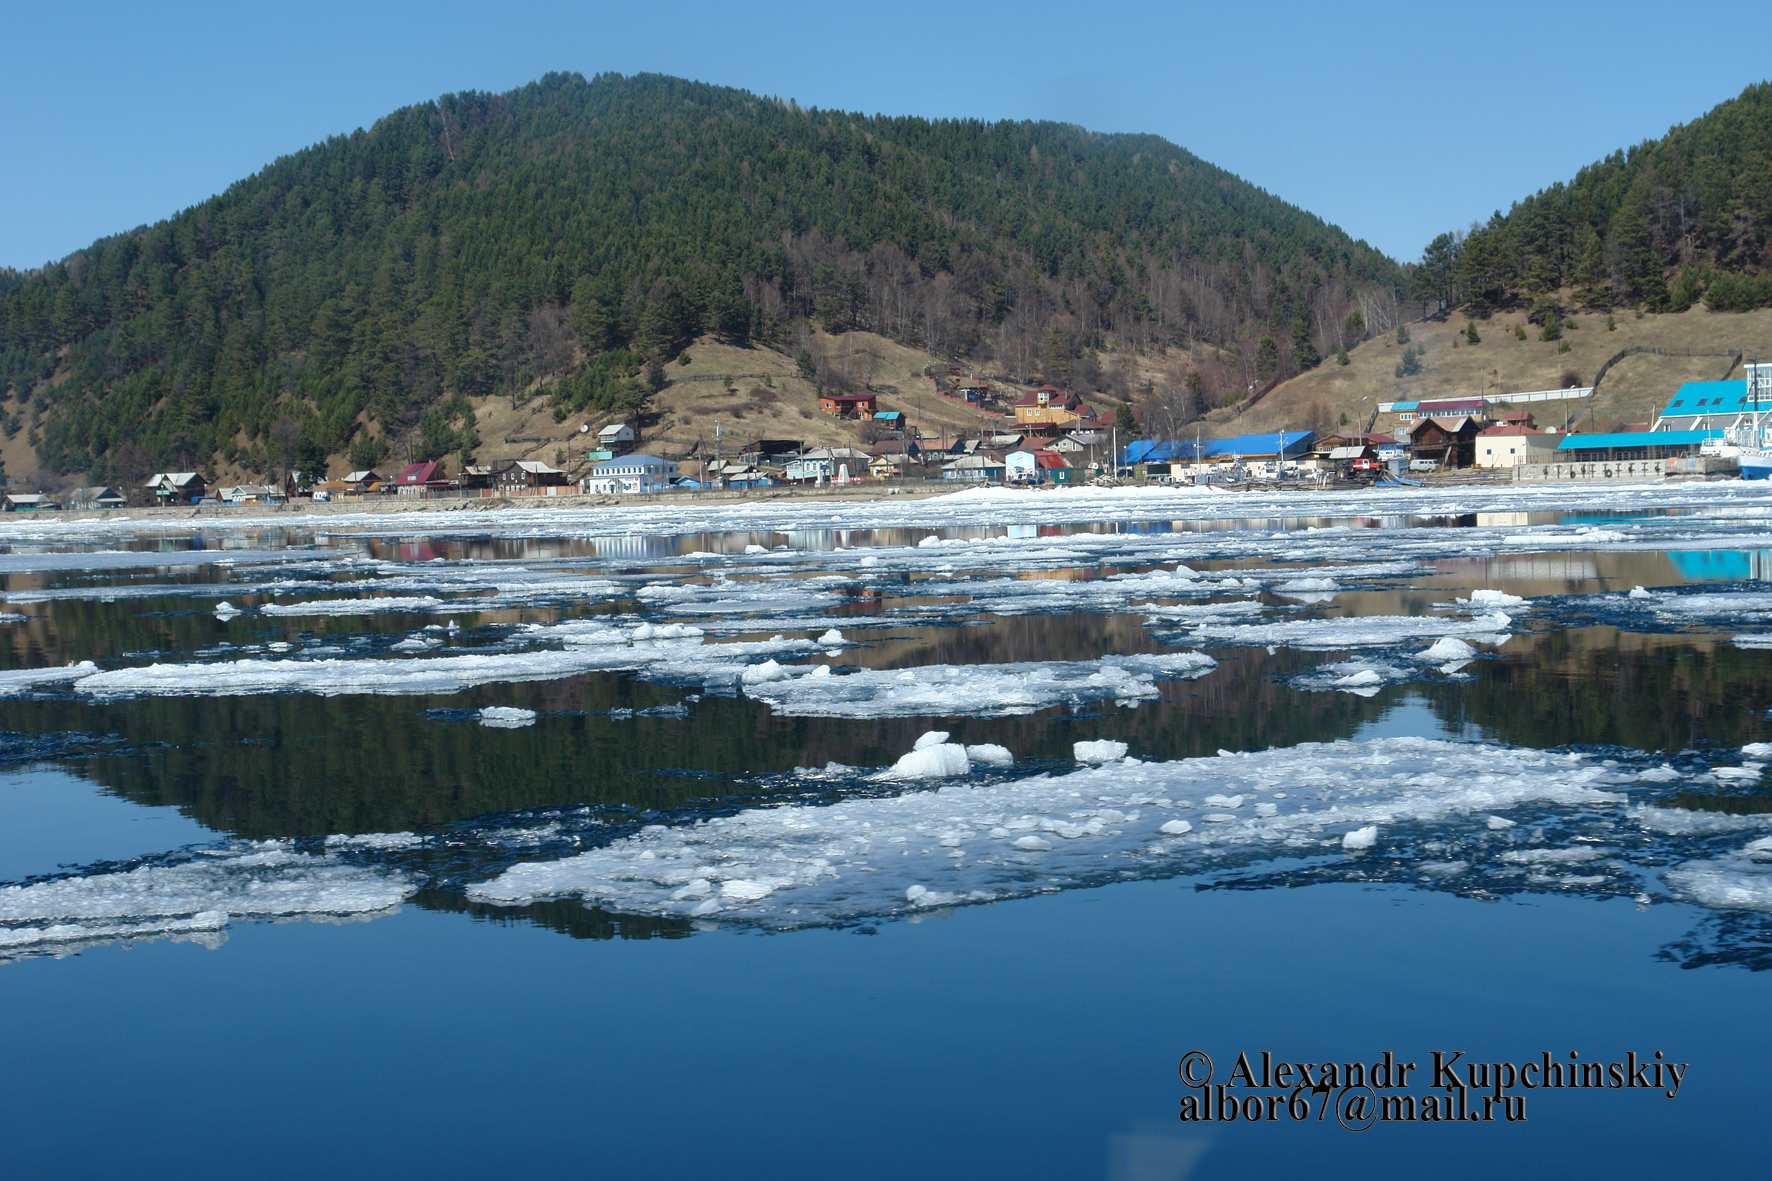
1450 442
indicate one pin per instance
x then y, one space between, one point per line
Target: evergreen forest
1663 226
563 239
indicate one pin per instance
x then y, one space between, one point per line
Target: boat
1751 444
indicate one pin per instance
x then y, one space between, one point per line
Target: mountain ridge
549 241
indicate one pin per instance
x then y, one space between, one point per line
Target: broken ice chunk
1105 750
1493 598
990 754
506 717
1446 650
1361 838
937 761
759 674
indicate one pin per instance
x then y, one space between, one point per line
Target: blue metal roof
1283 443
1636 439
1404 405
1711 397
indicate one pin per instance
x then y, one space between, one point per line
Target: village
1048 437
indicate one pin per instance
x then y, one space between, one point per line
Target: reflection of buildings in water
859 600
1590 573
1561 568
1503 520
639 546
1721 565
1068 574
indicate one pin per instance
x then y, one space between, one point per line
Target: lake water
890 839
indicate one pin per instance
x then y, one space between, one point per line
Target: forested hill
553 239
1662 226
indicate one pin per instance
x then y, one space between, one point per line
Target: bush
1402 334
1410 365
1340 356
1519 332
1470 333
1611 324
1552 330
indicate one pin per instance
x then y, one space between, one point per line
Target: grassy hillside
1631 392
370 296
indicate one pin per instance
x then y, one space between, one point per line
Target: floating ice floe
1484 598
732 596
1736 881
1354 631
193 894
1363 678
506 717
23 680
592 647
974 690
371 606
977 841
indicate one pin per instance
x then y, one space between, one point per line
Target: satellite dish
584 428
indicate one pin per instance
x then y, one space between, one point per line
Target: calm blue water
1027 1040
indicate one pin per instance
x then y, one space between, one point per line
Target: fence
1598 471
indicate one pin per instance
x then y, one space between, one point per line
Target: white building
631 474
1509 446
617 438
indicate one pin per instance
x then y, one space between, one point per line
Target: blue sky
1394 121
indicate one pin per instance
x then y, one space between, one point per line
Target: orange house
1048 405
847 405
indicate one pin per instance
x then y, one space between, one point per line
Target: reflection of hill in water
281 765
568 917
1597 686
298 764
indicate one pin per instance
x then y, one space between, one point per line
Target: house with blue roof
1701 411
1708 406
1264 453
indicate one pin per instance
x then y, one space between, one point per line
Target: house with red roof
421 480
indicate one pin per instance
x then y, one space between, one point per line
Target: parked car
1423 465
